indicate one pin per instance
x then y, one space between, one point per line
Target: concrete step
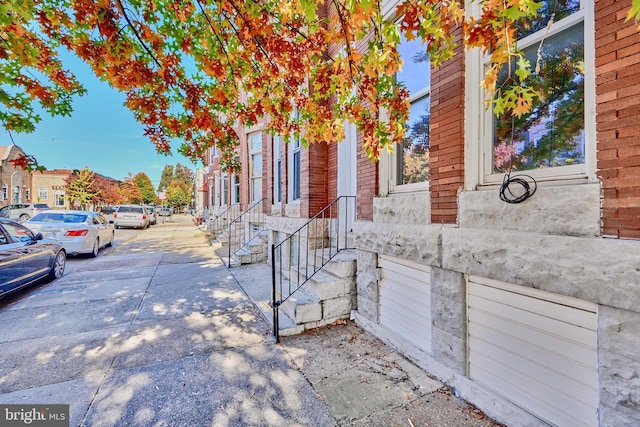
302 307
341 265
325 285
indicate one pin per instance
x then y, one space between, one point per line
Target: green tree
80 187
165 178
179 194
146 187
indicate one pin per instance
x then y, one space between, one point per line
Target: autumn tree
107 190
191 71
147 191
80 188
129 191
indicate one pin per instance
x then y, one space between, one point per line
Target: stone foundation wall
551 242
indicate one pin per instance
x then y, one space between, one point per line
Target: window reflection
552 134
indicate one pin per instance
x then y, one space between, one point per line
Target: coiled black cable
508 195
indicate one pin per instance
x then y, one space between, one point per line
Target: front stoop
328 296
253 252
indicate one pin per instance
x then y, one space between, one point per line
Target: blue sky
101 134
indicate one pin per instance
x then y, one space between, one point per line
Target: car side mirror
38 236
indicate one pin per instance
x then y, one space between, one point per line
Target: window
277 170
294 164
411 165
551 140
43 194
4 192
27 194
235 194
255 153
59 199
224 183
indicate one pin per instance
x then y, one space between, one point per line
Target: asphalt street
156 331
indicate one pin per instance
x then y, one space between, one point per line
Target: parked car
26 257
131 216
153 216
108 211
164 211
81 232
22 211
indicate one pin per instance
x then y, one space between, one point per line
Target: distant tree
165 178
107 189
129 191
179 193
146 187
80 187
183 174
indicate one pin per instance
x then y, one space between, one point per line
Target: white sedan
80 232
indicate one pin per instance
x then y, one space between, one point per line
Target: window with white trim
5 190
409 167
43 193
224 191
235 193
255 159
59 199
27 194
553 139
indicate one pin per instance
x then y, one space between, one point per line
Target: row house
522 296
16 182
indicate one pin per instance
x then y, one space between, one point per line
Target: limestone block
603 271
367 276
448 349
417 243
448 284
619 362
413 208
449 315
367 309
338 307
572 210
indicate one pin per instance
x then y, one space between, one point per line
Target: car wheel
57 270
96 247
24 217
111 241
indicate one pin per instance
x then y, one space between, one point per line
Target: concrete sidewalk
362 380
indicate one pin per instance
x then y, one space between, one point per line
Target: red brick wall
446 150
618 117
367 185
314 179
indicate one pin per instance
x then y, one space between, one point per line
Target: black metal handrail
218 225
321 232
245 228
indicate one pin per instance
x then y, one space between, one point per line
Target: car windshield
129 209
59 217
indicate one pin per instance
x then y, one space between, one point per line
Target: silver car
22 211
135 216
80 232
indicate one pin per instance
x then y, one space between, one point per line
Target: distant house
16 182
50 187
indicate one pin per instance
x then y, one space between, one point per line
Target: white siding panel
536 349
405 301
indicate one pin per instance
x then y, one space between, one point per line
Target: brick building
528 310
50 187
16 182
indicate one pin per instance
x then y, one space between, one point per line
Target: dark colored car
26 257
